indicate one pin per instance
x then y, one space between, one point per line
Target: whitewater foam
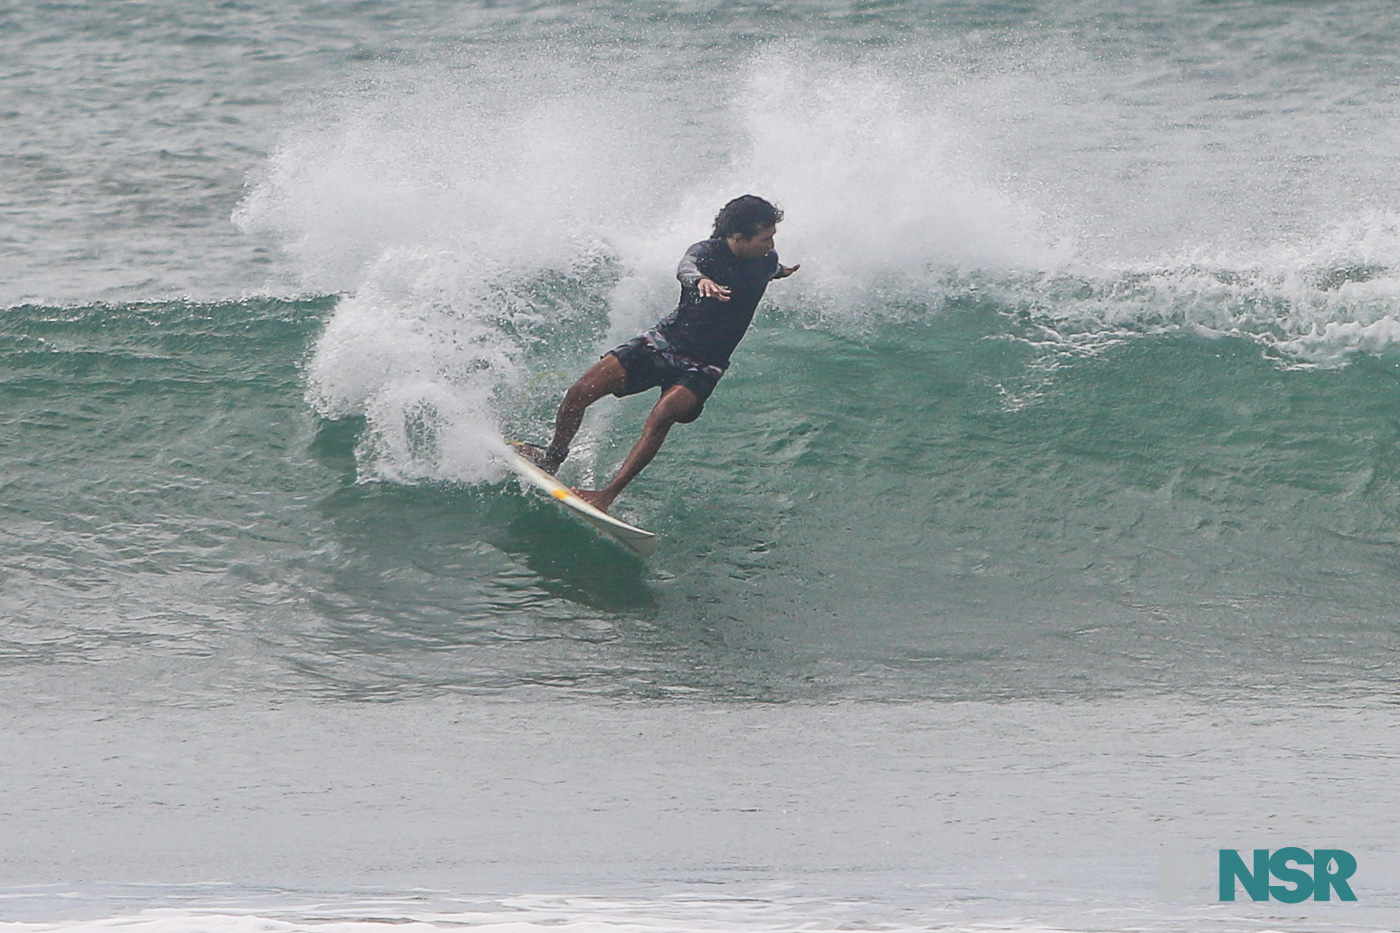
494 218
456 210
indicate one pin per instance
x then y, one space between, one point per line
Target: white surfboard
638 539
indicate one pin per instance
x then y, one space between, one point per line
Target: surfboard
637 539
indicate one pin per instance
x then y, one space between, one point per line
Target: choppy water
1048 517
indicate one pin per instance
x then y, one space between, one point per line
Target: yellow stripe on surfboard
638 539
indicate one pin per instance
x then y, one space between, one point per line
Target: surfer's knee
690 416
681 404
678 405
581 394
660 422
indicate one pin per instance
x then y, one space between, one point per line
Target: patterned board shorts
649 363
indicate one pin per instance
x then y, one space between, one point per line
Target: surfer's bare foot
547 460
598 498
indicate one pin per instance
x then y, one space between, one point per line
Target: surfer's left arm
785 271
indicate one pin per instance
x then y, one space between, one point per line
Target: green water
935 507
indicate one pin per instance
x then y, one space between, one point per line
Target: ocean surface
1046 525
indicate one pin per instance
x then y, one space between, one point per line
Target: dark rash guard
707 329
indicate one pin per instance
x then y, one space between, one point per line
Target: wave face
1048 515
947 505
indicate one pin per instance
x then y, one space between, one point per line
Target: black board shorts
648 367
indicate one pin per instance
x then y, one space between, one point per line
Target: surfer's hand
709 288
785 271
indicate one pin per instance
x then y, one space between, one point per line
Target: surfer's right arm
691 277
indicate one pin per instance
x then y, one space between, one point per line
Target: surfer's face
752 247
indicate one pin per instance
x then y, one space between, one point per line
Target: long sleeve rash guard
707 329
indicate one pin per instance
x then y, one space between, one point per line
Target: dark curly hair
745 216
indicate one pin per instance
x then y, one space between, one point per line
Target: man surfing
722 280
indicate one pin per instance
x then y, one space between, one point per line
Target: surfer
722 280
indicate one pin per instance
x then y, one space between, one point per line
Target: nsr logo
1331 869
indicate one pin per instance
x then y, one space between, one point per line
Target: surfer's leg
604 377
674 405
